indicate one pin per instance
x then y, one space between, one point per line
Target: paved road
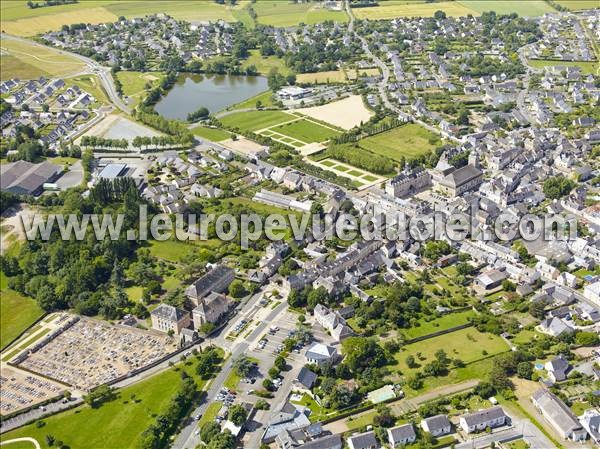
25 439
103 73
186 438
36 413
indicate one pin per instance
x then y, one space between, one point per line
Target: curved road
18 440
94 68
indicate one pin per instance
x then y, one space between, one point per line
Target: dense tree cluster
557 187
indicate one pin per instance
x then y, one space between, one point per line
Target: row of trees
101 142
145 142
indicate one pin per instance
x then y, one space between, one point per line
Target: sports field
406 8
305 131
410 141
468 345
529 8
21 20
255 120
26 60
282 13
17 312
586 66
127 416
574 5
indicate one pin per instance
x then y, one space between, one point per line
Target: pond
214 92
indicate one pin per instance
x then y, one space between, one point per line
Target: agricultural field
575 5
530 8
282 13
128 415
334 76
213 134
17 312
587 67
306 131
410 141
264 64
20 20
406 8
438 324
27 60
255 120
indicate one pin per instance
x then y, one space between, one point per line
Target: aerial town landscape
158 159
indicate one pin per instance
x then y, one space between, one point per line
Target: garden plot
299 132
362 178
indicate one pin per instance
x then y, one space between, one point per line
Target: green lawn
174 250
282 13
210 414
116 424
214 134
266 100
529 8
264 64
306 131
134 82
586 67
444 322
17 312
362 420
410 141
255 120
467 345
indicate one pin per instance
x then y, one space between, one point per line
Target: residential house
557 368
590 420
364 440
401 435
436 425
320 354
167 318
482 419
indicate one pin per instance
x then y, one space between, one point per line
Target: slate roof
306 377
483 416
437 423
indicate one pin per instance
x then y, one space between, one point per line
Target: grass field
210 414
174 250
20 20
17 312
90 84
444 322
529 8
282 13
306 131
134 82
266 100
26 61
214 134
255 120
334 76
126 417
409 141
467 345
586 67
574 5
406 8
264 64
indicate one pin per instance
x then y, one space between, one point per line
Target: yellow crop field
393 9
334 76
35 25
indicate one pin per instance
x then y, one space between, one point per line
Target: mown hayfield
407 141
115 424
468 345
255 120
586 66
529 8
35 60
17 312
403 8
282 13
306 131
333 76
212 134
574 5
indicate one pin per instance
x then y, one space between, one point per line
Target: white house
482 419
